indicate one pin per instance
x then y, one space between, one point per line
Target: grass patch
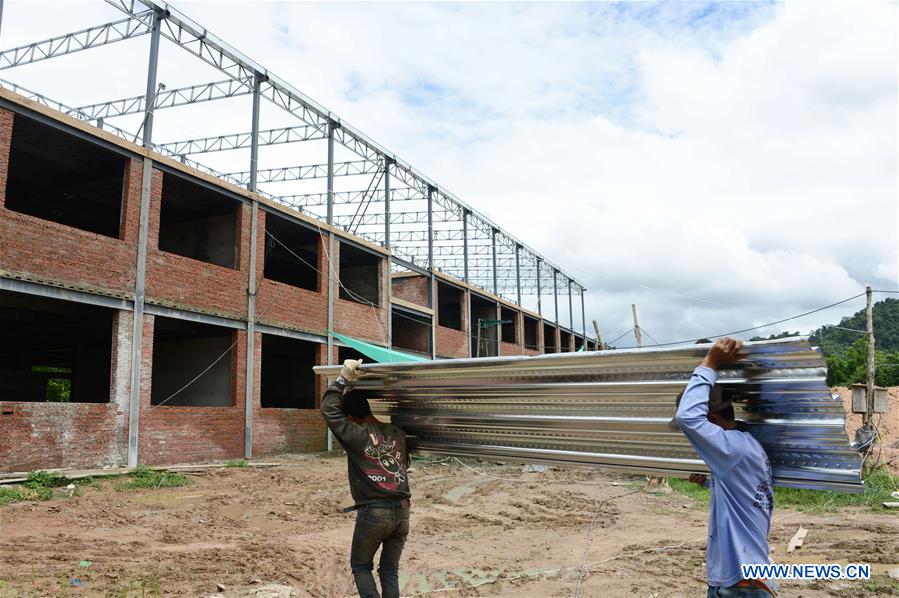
144 477
8 495
698 493
882 584
236 463
878 486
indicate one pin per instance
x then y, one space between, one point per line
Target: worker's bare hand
697 478
350 370
725 350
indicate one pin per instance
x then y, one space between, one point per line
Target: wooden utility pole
869 382
637 334
602 344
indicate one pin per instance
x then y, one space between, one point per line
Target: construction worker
377 467
740 481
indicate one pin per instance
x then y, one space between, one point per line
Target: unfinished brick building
154 309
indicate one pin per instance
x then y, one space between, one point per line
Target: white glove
350 371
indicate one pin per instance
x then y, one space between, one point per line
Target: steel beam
52 292
169 98
234 141
310 171
208 48
92 37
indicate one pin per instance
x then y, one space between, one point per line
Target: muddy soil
280 532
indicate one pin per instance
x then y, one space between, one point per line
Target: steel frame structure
419 221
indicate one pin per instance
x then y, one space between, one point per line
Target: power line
802 315
620 336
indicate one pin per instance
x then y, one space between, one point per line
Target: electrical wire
620 336
220 357
644 331
710 336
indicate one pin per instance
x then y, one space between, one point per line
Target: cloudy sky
720 165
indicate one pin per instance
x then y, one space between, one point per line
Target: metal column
388 302
332 286
570 309
251 289
556 294
432 299
387 163
493 252
465 213
539 300
518 273
141 269
583 316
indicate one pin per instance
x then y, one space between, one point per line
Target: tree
852 367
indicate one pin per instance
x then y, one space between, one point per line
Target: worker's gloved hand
725 350
350 370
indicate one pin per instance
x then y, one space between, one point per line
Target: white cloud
744 159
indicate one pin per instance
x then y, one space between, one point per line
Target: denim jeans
736 592
377 526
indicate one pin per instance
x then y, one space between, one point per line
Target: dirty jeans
736 592
377 525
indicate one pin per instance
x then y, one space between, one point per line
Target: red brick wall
52 435
6 123
509 349
451 343
287 430
361 320
188 283
44 251
174 434
413 289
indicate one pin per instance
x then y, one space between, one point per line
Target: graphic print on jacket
386 462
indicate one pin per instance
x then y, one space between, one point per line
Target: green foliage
836 341
882 584
775 336
144 477
851 367
8 495
698 493
236 463
59 390
878 486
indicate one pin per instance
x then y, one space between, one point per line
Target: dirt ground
279 532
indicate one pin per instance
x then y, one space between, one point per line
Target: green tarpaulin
376 353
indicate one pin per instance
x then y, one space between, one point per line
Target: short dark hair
726 411
355 404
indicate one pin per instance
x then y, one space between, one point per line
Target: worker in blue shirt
740 481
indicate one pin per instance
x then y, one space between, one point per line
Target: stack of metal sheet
612 409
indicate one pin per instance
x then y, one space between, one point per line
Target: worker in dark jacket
741 503
377 466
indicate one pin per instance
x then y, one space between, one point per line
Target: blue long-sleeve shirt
741 505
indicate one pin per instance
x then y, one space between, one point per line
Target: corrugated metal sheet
611 409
